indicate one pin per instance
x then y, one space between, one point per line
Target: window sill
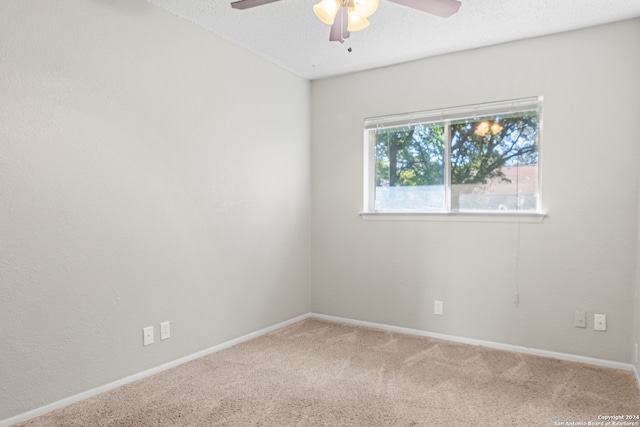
454 216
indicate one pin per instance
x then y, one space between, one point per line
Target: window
481 159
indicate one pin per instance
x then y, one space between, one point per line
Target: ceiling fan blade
442 8
339 28
246 4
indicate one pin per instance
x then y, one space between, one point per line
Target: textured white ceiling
288 33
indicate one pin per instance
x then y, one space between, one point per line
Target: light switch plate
147 334
580 319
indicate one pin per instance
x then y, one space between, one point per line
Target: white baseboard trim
489 344
508 347
101 389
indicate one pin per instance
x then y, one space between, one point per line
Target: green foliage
476 159
410 156
414 155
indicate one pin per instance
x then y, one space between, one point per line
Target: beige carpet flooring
320 373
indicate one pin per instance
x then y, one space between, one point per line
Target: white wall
149 171
636 337
583 256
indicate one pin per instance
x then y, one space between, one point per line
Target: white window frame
447 115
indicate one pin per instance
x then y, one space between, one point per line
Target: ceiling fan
346 16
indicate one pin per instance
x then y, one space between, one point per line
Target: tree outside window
482 163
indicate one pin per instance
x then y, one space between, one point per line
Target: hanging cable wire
516 258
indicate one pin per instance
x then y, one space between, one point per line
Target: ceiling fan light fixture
326 10
354 13
365 8
356 22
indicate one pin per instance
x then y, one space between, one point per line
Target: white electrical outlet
438 307
580 319
165 330
600 322
147 334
